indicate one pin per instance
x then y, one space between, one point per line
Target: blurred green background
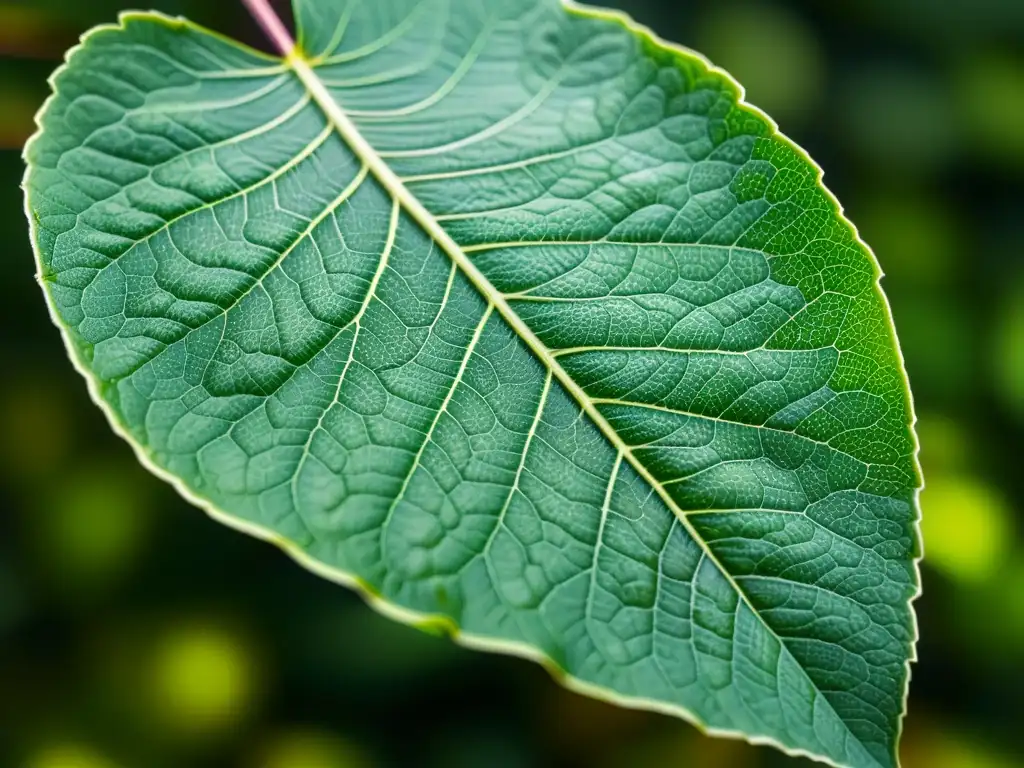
136 633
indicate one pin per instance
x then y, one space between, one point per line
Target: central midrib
394 185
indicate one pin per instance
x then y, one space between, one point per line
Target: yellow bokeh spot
966 527
95 526
69 756
204 680
308 749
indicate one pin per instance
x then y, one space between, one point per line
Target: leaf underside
517 319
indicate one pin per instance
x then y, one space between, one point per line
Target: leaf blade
708 603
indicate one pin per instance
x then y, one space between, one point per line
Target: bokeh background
137 633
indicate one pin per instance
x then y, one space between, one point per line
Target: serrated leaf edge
433 623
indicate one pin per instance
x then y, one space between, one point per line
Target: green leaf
518 320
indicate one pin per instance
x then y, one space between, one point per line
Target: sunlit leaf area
135 632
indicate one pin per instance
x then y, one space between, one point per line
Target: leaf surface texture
518 319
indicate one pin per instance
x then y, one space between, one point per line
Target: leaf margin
437 624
